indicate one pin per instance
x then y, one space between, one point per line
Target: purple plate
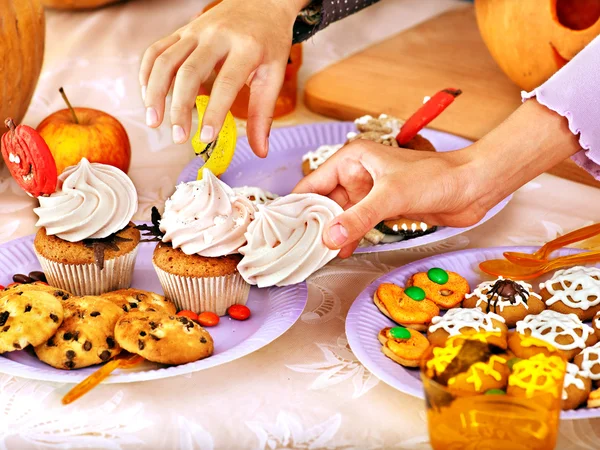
282 169
274 311
365 321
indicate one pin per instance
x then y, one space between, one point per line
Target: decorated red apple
76 133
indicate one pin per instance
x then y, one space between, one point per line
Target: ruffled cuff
573 92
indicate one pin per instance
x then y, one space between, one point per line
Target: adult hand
248 42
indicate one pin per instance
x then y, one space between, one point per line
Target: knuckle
163 61
225 81
187 70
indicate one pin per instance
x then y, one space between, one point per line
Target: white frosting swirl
206 218
285 241
92 201
255 194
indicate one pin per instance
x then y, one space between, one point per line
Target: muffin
86 243
203 224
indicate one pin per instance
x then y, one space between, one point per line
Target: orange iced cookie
408 307
403 345
536 375
446 289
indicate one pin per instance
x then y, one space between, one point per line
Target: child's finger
150 55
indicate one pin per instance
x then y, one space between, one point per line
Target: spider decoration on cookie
505 289
152 231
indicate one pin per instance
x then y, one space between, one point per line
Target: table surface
304 391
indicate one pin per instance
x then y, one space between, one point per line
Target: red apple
76 133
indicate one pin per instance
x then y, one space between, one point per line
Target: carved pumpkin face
530 40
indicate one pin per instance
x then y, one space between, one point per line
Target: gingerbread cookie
136 299
513 300
467 321
564 333
407 307
575 290
576 388
403 345
446 289
86 335
589 361
28 318
163 338
537 375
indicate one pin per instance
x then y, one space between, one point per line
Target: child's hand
247 41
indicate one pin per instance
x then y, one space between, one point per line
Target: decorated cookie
86 335
467 321
403 345
589 361
446 289
536 375
576 388
408 307
469 365
596 324
575 290
28 318
594 399
564 333
513 300
163 338
136 299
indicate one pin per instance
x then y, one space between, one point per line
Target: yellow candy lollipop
217 154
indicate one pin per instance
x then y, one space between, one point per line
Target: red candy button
238 312
208 319
29 159
189 314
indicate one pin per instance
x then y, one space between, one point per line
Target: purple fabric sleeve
574 93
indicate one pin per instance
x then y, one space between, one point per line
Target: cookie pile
563 317
70 332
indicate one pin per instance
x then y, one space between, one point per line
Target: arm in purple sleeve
574 93
321 13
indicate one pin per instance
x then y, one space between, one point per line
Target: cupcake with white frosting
86 243
203 228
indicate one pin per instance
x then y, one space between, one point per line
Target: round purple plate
281 170
274 311
364 320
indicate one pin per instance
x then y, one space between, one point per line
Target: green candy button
511 362
437 275
399 333
416 293
495 392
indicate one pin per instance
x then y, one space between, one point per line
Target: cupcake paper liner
88 279
214 294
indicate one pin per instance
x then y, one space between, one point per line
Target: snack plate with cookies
393 321
291 149
274 310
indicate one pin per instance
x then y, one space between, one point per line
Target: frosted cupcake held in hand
86 243
202 229
285 241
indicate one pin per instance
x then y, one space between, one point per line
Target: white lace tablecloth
304 391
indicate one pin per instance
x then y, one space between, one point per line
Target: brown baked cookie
596 324
138 300
163 338
38 287
589 361
512 300
573 291
446 289
403 345
86 336
576 388
28 318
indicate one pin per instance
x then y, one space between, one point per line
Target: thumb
354 223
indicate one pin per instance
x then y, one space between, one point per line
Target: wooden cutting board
394 75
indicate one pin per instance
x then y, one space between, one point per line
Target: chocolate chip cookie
86 336
29 317
38 287
163 338
138 300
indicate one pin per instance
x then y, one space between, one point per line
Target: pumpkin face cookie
589 361
28 318
513 300
576 388
403 345
136 299
467 321
86 336
446 289
574 291
163 338
407 307
564 333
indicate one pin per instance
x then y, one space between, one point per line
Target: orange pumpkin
22 30
532 39
77 4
